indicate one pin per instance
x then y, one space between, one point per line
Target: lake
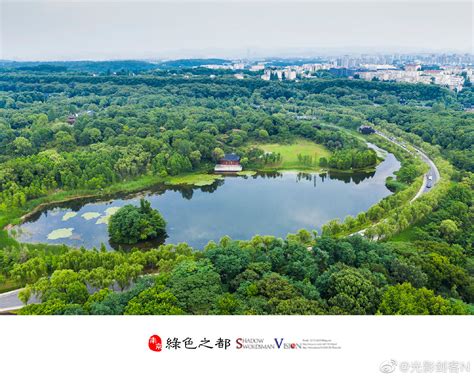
240 207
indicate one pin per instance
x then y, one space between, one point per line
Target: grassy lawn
406 235
289 153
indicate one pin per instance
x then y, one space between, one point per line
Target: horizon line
242 58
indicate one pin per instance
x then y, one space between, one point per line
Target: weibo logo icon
154 343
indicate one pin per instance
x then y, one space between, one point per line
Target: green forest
88 130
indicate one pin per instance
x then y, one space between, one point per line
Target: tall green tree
131 224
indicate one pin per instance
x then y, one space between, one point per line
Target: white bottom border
117 346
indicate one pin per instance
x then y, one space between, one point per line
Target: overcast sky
67 30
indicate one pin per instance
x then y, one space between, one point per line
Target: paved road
433 171
9 301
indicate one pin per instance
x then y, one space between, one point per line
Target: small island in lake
132 224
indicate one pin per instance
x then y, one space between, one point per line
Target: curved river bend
240 207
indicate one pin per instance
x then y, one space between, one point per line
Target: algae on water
60 233
69 215
112 210
90 215
103 220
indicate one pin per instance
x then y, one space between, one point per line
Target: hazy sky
62 30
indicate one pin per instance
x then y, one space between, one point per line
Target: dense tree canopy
80 128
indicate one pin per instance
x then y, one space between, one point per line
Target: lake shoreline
193 179
170 181
194 222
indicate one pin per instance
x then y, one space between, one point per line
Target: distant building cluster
449 76
356 61
449 70
294 72
287 73
233 66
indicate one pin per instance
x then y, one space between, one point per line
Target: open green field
289 153
406 235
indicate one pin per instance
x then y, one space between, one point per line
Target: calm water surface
274 204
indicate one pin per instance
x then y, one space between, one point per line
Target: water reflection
266 203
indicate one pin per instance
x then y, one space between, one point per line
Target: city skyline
44 30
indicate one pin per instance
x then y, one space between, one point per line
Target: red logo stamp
154 343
